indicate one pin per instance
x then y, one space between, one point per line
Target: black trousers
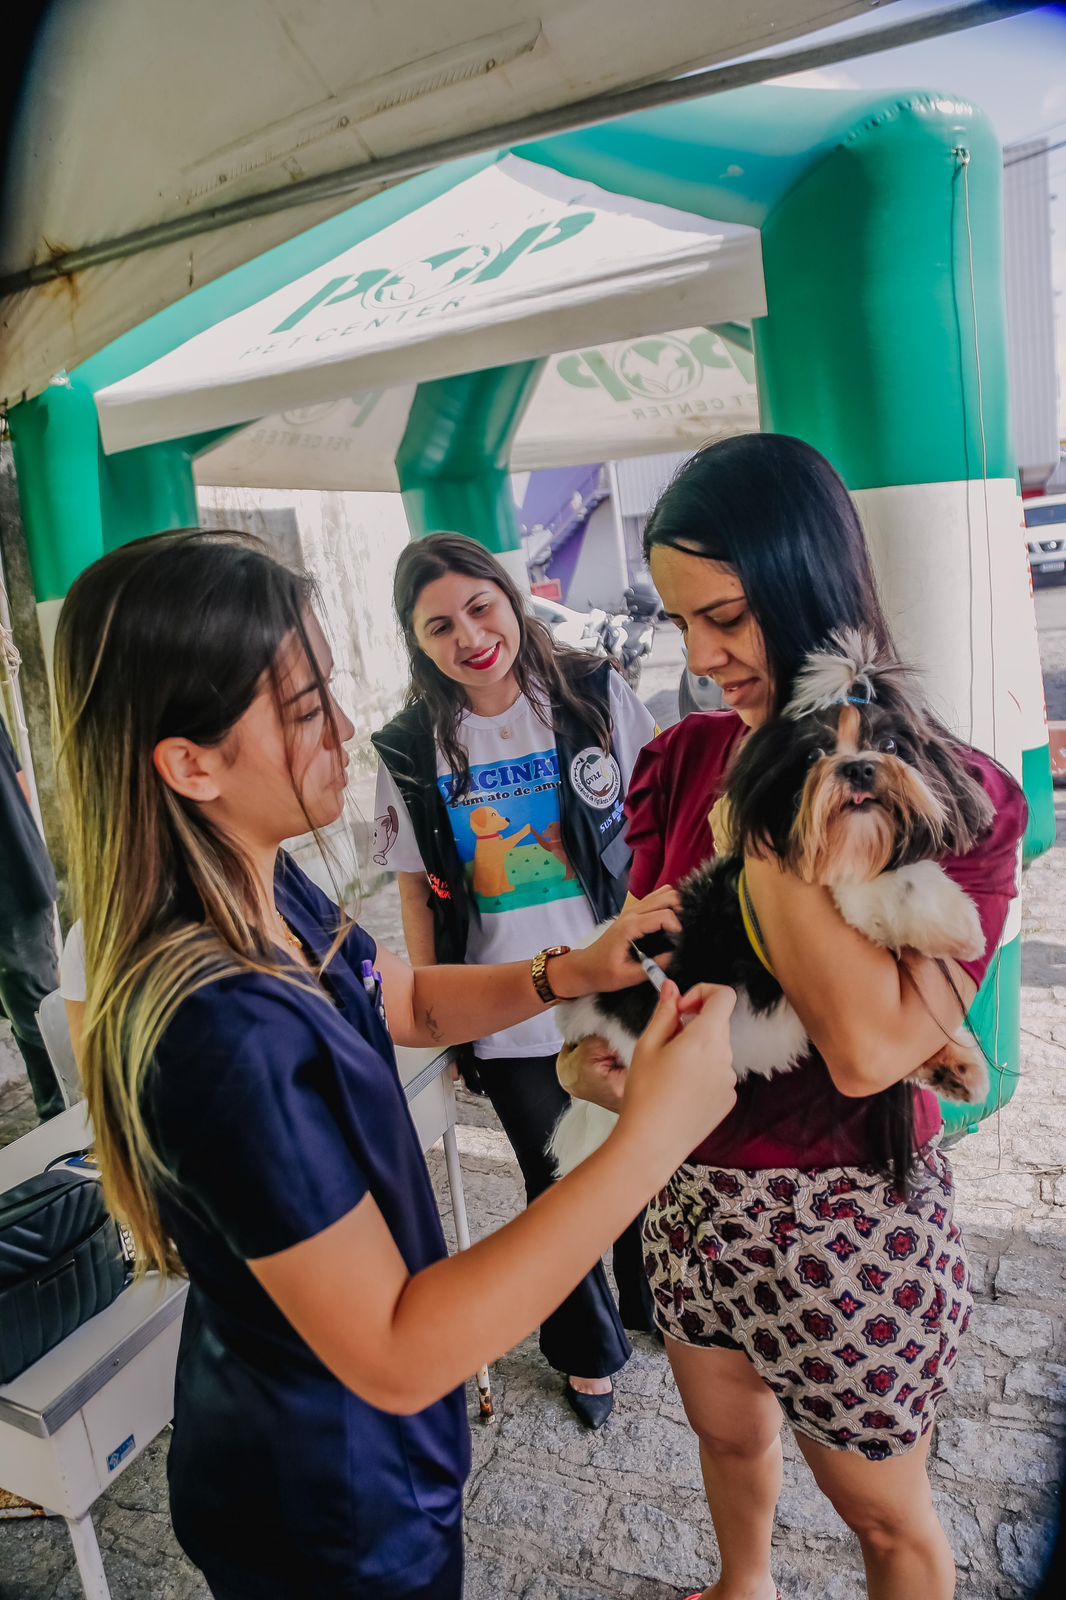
29 971
586 1335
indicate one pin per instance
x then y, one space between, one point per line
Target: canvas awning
141 113
515 262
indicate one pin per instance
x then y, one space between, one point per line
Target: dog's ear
968 812
763 784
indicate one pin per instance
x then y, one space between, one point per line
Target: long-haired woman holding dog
249 1121
804 1259
499 804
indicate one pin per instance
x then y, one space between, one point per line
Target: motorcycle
642 599
633 637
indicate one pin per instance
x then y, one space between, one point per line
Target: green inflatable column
78 503
453 460
885 347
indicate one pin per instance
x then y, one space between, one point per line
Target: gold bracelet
539 972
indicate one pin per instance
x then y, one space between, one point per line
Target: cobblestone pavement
556 1513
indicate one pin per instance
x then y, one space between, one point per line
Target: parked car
1045 525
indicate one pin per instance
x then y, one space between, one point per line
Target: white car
581 630
1045 526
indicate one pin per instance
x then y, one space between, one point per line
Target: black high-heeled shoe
592 1409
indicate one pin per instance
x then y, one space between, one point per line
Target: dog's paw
916 907
958 1071
945 919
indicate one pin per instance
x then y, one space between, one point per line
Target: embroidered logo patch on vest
595 778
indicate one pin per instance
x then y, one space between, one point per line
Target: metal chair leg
87 1555
462 1239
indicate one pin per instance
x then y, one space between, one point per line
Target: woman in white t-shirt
499 806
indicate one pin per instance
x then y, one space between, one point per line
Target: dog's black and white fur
855 787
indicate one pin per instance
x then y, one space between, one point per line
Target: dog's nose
860 774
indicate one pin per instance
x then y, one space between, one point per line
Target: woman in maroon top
789 1272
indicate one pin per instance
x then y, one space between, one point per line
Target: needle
652 971
654 974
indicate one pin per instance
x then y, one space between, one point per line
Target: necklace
290 937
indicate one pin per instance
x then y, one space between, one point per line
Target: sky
1015 71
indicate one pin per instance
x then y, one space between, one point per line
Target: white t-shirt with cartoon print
507 829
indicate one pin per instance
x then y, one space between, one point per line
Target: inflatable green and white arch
864 241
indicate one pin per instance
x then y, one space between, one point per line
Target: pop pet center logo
438 276
658 367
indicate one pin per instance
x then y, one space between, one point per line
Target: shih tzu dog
855 787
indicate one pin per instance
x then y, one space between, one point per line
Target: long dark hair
546 673
171 636
774 510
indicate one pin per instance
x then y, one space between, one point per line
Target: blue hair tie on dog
854 699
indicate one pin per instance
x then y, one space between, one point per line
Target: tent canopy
226 102
514 262
642 396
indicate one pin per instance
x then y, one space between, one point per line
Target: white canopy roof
139 112
642 396
515 262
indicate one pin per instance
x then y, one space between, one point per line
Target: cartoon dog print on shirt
491 851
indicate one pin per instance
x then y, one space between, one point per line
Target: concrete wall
350 544
600 575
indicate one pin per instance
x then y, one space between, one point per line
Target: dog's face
486 822
868 799
855 777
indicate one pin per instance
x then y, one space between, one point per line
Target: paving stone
970 1376
820 1581
490 1576
662 1450
1024 1547
1041 1380
804 1508
554 1586
34 1555
1040 1274
552 1517
644 1541
994 1453
1012 1330
964 1533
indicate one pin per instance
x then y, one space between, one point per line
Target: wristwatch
539 972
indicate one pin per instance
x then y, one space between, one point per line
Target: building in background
1030 298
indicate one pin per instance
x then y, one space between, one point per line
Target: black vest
592 831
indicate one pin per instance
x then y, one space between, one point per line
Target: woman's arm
417 918
873 1018
402 1341
451 1005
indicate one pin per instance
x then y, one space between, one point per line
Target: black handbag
61 1261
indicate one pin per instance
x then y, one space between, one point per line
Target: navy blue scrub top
277 1113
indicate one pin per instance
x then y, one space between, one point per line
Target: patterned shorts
848 1300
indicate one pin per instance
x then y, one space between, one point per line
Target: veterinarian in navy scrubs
250 1122
792 1277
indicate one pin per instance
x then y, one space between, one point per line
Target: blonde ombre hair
171 636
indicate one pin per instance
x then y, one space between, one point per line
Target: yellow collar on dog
751 923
